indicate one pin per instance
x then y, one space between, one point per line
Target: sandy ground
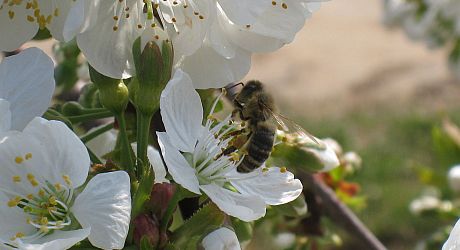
344 60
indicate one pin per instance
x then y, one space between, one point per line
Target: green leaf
204 221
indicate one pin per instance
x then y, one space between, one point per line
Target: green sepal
204 221
153 71
243 230
113 93
145 244
284 154
296 208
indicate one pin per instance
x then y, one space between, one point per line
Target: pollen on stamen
16 178
273 3
115 28
58 186
28 156
283 170
18 159
32 180
67 180
284 5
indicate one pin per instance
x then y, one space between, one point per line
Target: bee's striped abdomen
259 148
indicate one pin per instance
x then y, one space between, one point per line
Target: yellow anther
67 180
18 159
30 196
56 12
44 229
30 19
14 202
11 14
264 170
32 180
52 200
283 170
28 156
284 5
16 178
41 192
235 156
44 221
58 186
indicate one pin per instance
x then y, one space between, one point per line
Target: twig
341 214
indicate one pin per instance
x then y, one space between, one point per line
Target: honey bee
256 106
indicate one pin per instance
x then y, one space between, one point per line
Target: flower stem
89 117
89 136
143 129
126 152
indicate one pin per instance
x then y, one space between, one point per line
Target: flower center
156 13
32 10
209 159
46 208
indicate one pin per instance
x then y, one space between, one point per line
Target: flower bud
222 238
153 58
71 109
454 178
160 197
148 228
113 93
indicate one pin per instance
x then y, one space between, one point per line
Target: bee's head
248 91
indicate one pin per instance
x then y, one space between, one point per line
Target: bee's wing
288 125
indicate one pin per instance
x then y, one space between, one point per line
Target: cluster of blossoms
435 22
119 184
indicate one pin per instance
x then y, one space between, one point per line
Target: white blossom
221 239
192 153
42 171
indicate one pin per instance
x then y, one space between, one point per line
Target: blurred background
349 77
376 92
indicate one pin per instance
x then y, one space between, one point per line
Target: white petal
453 242
208 69
5 115
221 239
157 164
272 186
178 167
244 207
27 82
276 27
325 155
75 20
192 29
453 177
58 240
66 154
181 112
61 8
12 220
17 30
103 143
244 11
105 206
109 51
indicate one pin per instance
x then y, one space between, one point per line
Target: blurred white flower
43 168
221 239
424 203
26 88
20 20
192 153
284 240
454 178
